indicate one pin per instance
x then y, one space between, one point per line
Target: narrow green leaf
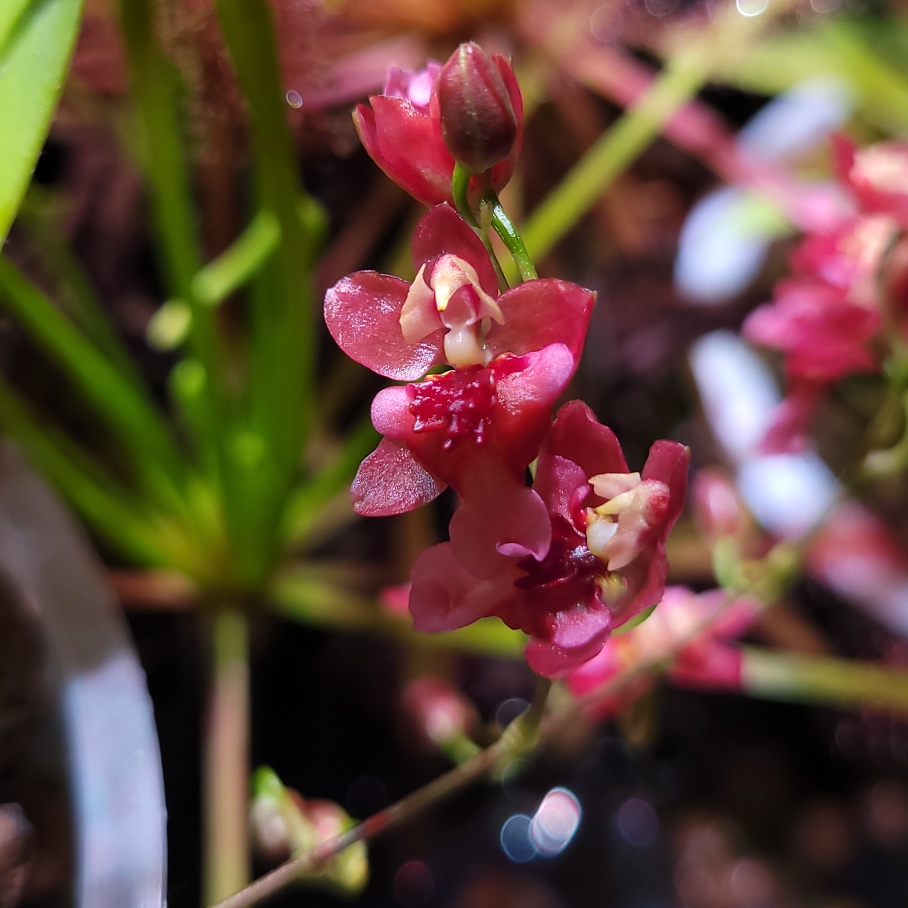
40 214
126 409
306 502
106 508
36 42
155 87
236 265
282 366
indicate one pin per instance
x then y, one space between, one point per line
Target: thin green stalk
460 192
155 87
284 358
226 771
237 264
615 150
823 680
511 238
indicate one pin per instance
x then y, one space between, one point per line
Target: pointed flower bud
478 121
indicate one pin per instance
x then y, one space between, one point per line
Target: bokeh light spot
515 839
413 884
638 823
555 822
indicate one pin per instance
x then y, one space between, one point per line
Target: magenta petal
557 481
498 521
362 312
539 313
391 412
578 436
577 636
390 481
668 462
541 381
445 595
443 232
392 131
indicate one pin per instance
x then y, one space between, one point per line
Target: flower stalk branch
226 775
505 228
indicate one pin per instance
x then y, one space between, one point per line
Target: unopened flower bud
478 121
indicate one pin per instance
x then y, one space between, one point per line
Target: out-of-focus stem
820 679
226 766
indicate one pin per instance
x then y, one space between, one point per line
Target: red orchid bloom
598 556
513 356
706 661
401 131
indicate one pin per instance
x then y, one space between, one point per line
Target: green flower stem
614 151
460 190
236 264
511 238
226 778
818 679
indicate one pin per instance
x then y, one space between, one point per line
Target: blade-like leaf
36 42
126 409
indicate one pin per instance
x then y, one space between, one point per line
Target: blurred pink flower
513 356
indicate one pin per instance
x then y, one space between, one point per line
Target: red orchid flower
401 130
513 356
452 312
598 556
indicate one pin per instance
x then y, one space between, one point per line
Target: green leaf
124 407
237 264
108 509
36 42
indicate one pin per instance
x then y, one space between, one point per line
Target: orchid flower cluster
580 550
843 309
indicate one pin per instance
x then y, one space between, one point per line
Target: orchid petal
391 481
539 313
445 595
362 312
390 131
